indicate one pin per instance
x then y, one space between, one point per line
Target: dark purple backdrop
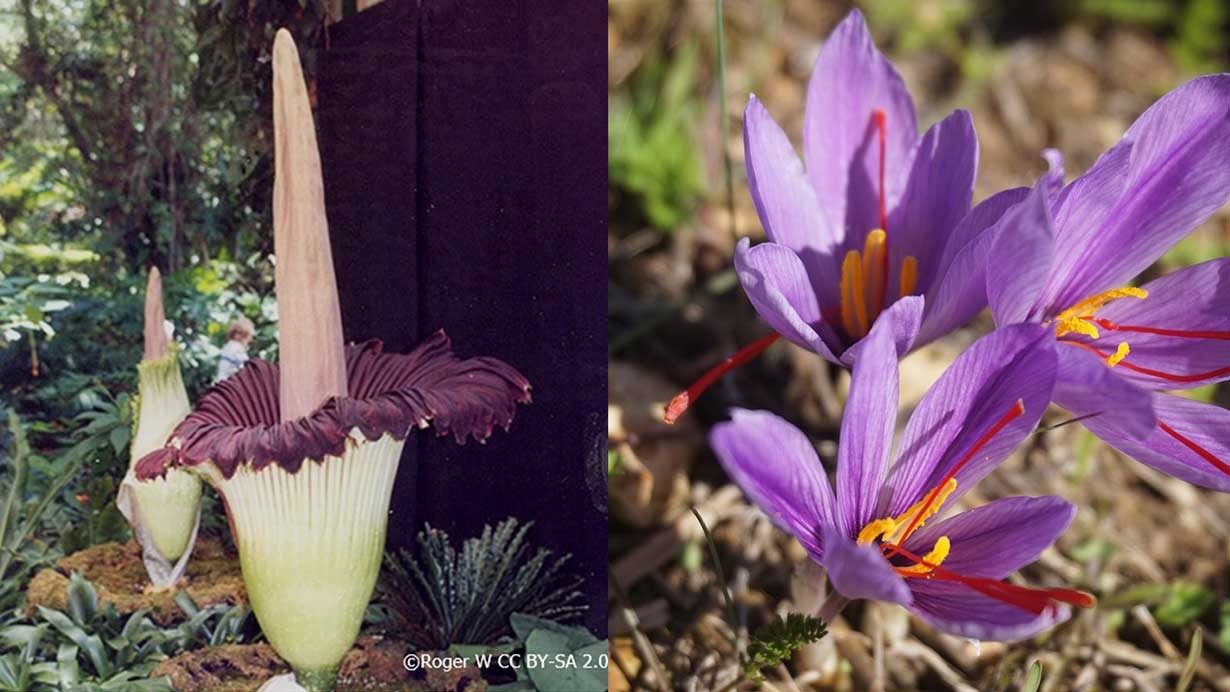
464 154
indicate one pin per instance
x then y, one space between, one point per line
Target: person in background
235 352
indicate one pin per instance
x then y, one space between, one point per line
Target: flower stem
831 607
317 679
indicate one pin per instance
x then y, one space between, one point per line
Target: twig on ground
642 644
1144 617
951 676
664 546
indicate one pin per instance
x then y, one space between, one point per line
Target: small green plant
24 506
90 646
447 596
778 639
653 160
775 641
210 626
1185 602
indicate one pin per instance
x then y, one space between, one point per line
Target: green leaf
67 671
1193 659
564 668
778 639
1185 602
82 599
1033 679
524 625
120 436
1223 636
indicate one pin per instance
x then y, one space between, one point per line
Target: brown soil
119 576
373 665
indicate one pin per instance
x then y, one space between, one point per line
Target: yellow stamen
909 275
891 529
932 559
898 535
874 530
1120 353
874 248
853 296
1074 319
864 284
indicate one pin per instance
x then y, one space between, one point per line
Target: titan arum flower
872 536
164 513
304 453
878 225
1067 255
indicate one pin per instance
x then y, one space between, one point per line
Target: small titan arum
872 536
164 513
304 453
1064 258
877 227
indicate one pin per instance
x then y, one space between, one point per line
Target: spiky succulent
447 596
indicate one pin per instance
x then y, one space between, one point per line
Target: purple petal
786 202
1021 256
777 285
1085 386
957 609
860 571
959 290
997 538
937 196
777 468
1202 425
850 81
1079 211
1195 299
1054 173
903 318
1011 364
867 428
1176 178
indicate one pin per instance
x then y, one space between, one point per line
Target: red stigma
1159 331
1200 451
684 399
881 124
1168 376
1034 600
1017 410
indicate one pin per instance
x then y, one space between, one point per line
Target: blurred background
1070 75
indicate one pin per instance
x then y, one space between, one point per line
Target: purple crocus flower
872 535
1064 256
875 223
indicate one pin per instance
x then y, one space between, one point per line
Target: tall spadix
164 512
310 347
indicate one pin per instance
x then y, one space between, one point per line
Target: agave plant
304 453
165 512
448 596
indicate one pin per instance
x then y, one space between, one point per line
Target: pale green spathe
310 545
162 511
